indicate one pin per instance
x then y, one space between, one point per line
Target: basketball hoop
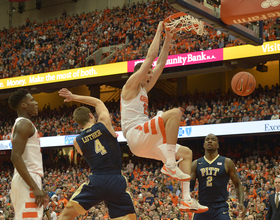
182 22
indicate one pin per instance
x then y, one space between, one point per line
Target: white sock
186 190
170 155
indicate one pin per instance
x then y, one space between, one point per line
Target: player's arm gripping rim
161 60
133 82
236 181
22 131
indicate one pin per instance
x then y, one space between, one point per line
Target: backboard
205 11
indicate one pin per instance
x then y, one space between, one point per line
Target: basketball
243 83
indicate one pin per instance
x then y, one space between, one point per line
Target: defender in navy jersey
99 146
213 172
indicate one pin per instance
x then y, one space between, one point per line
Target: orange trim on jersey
162 129
146 127
29 215
182 190
139 127
153 126
31 195
30 205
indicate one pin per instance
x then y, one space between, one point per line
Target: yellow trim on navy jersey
74 203
126 217
228 210
193 216
212 161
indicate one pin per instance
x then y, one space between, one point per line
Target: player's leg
187 203
171 120
86 196
69 212
23 198
119 202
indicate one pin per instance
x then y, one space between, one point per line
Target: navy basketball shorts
110 188
217 211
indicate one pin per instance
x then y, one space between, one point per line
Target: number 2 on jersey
99 148
145 108
209 181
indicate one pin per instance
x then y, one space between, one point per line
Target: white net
185 23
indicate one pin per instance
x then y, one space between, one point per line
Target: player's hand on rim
169 34
160 26
66 94
39 197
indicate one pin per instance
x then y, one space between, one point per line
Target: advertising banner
244 51
254 127
184 59
64 75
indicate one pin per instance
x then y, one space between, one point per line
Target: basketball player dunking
26 189
156 138
213 172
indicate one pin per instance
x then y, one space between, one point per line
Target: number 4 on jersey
99 148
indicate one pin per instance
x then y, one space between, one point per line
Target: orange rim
177 15
174 16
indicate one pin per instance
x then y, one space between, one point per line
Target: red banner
242 11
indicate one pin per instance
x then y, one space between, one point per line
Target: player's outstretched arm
161 60
138 76
236 181
22 131
95 102
100 108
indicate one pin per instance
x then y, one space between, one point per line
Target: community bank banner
184 59
237 128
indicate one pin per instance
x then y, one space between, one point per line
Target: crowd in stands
65 42
156 196
199 108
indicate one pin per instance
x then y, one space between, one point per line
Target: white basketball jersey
134 111
32 155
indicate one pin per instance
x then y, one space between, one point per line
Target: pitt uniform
143 135
22 197
213 179
102 152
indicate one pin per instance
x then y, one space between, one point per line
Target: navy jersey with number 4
100 149
213 180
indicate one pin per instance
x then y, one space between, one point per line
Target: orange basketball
243 83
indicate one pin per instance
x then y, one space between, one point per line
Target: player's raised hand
66 94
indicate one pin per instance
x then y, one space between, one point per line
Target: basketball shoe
192 206
174 171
